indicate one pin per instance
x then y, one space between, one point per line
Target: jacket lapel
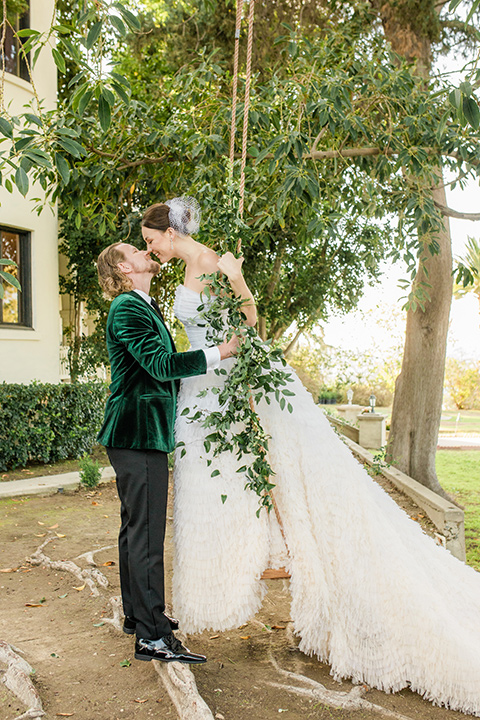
157 316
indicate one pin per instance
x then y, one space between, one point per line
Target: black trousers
142 483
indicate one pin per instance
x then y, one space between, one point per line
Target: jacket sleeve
133 327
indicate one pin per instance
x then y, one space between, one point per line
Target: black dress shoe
130 624
166 649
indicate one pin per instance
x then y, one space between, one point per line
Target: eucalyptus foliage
257 374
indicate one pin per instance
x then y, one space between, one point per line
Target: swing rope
269 573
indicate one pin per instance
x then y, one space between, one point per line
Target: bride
372 595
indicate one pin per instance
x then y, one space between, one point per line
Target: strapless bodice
185 308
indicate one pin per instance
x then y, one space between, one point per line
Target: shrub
90 471
43 422
462 381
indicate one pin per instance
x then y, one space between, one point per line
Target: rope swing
280 572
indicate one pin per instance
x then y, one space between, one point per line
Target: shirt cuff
212 356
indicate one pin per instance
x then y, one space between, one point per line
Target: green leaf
93 34
63 168
59 60
6 128
455 98
129 17
104 113
33 119
6 261
125 663
121 93
71 146
224 497
118 25
215 473
8 277
21 181
471 112
84 101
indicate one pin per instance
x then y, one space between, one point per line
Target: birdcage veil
184 214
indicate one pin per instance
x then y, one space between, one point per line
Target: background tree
470 260
347 145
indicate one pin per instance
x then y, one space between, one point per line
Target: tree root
116 603
17 679
89 576
180 684
351 700
178 679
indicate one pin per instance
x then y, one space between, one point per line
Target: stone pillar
349 413
373 433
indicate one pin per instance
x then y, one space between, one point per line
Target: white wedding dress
372 595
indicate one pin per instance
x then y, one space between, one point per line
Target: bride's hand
231 266
227 349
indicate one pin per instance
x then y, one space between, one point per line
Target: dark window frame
17 58
25 279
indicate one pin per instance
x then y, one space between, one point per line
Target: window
16 306
14 59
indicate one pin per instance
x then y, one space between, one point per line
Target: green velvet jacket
140 412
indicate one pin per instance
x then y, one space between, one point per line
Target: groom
138 432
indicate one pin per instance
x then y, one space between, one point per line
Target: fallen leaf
60 535
40 535
214 637
159 700
65 714
109 563
140 701
34 605
94 502
40 523
8 569
278 627
98 624
244 637
52 527
79 588
105 516
125 663
63 596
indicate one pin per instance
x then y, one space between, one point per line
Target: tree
347 141
412 28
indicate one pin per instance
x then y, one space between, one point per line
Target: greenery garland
258 372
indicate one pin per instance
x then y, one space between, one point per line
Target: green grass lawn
459 474
468 422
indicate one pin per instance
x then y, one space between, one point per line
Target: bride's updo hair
180 213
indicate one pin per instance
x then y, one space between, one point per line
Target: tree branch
348 152
470 31
449 212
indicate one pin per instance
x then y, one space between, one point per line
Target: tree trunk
411 27
417 404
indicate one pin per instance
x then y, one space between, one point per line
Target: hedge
43 422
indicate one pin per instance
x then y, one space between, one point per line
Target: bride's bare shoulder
208 261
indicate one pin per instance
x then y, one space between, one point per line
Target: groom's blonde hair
112 280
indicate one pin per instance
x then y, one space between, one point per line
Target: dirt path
84 668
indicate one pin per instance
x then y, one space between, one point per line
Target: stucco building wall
32 353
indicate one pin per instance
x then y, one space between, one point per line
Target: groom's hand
227 349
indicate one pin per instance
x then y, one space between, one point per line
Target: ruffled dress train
372 595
